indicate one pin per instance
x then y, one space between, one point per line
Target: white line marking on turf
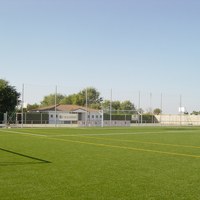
24 133
97 134
129 133
125 147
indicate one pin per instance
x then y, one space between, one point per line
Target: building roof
68 108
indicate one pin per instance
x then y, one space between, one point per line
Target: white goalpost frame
126 112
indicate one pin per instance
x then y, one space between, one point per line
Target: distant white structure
78 116
72 114
181 109
181 119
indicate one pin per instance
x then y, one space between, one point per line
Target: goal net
121 117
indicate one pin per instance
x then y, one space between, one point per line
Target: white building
72 114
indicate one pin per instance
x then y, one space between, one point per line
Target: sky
132 47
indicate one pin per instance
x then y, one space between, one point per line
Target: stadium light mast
86 105
110 107
56 106
138 100
180 110
151 109
22 107
161 106
102 118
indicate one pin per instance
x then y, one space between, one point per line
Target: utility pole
139 120
161 107
110 107
180 110
86 105
56 106
22 107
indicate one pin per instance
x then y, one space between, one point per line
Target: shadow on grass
36 160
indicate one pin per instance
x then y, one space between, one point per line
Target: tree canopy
89 96
117 105
195 112
50 99
93 98
157 111
9 97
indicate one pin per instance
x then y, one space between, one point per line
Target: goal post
121 117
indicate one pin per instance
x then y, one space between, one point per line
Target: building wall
117 123
67 117
178 119
92 116
62 117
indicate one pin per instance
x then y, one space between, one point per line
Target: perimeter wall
178 119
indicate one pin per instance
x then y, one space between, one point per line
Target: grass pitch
100 163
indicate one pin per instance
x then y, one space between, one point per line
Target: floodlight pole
151 110
56 106
140 118
161 105
110 107
86 105
180 110
22 107
102 118
139 100
5 119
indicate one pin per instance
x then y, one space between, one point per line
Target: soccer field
141 163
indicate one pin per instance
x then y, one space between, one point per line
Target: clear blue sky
127 45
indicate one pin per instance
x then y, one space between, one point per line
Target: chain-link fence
142 109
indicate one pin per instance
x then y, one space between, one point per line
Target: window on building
51 116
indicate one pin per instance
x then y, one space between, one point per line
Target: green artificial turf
141 163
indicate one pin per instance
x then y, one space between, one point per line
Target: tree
93 97
32 106
127 105
140 111
9 97
106 105
69 100
118 106
157 111
115 105
195 112
50 99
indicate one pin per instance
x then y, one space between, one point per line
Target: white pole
139 100
151 110
86 105
161 107
180 109
22 106
139 108
110 107
102 118
56 106
150 102
5 119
